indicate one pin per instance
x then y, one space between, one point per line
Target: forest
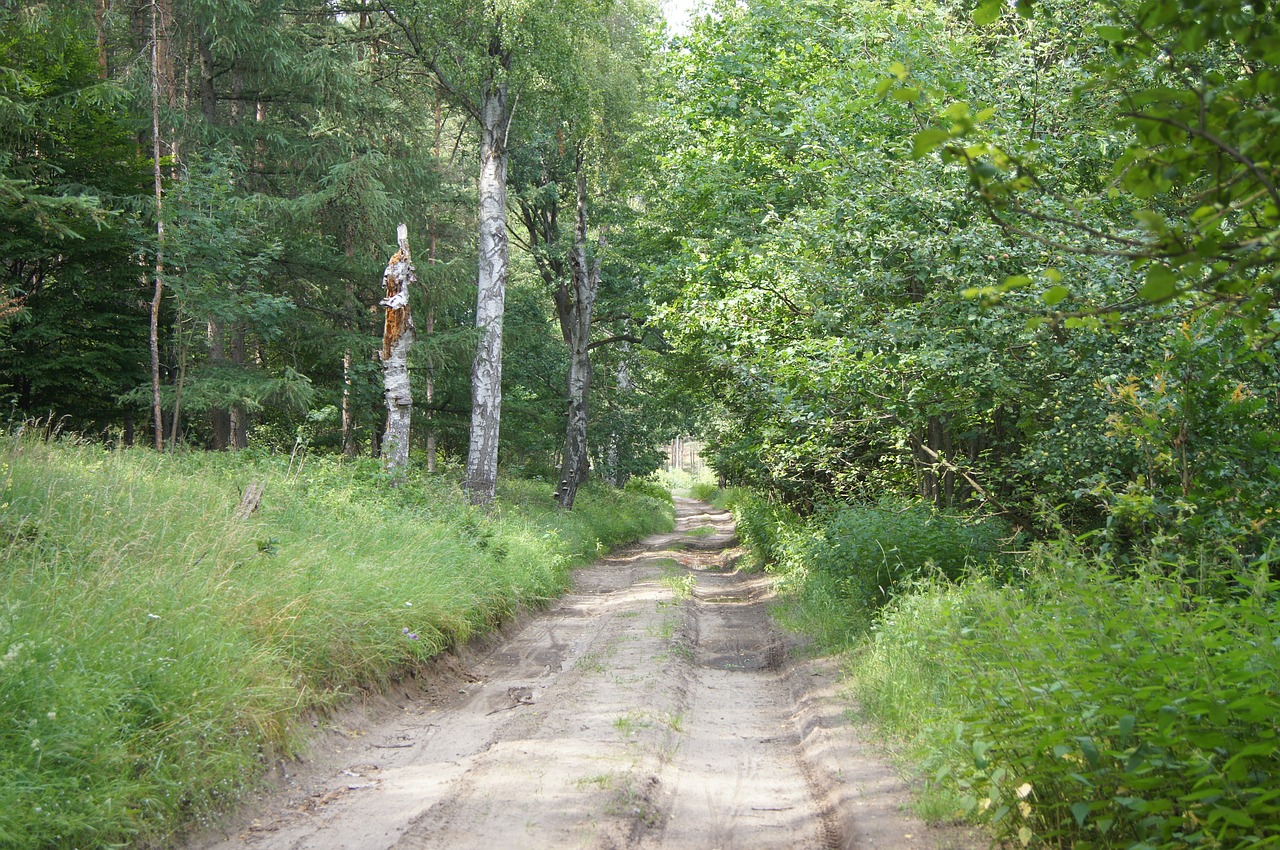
975 306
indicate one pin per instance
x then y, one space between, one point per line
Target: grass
1063 697
156 652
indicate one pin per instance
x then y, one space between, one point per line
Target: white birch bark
398 336
486 370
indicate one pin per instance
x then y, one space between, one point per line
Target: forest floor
655 706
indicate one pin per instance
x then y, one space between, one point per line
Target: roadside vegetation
1059 695
981 301
157 652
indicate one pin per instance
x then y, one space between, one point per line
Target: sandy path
653 707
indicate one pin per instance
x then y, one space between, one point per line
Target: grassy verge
156 652
1061 700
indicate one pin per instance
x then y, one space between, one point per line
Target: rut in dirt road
653 707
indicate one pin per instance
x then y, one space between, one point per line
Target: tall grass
156 652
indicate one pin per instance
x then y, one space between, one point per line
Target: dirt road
656 706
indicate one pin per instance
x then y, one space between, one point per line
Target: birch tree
573 167
482 60
397 337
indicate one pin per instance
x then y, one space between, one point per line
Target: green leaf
987 11
1081 812
927 140
1126 726
1161 284
1235 817
907 95
1110 34
1054 294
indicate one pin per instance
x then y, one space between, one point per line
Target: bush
649 487
870 552
704 490
1088 709
768 529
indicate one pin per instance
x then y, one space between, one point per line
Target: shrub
704 490
768 529
1090 709
649 487
869 552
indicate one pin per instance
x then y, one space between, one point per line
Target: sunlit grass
156 652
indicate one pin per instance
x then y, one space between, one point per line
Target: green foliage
69 176
649 487
1195 85
1089 708
875 551
768 529
156 653
704 490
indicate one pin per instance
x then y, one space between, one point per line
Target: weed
681 586
630 724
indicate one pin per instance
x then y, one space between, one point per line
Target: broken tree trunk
397 336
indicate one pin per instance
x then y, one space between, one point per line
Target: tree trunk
486 370
397 337
239 415
432 259
575 321
613 455
100 9
349 448
219 417
157 297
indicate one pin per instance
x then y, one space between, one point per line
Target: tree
1195 86
398 335
71 180
483 63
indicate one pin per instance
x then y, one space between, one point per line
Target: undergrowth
1061 698
1086 707
839 566
156 652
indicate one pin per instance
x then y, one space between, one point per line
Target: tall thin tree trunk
432 259
100 10
349 447
613 455
431 369
176 425
397 337
586 283
239 415
486 370
348 418
157 297
219 417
